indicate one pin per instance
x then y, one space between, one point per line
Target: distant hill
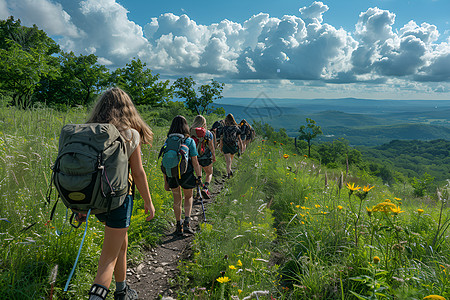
376 135
361 121
413 158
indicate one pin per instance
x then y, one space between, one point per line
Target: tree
25 57
141 85
309 132
185 88
78 80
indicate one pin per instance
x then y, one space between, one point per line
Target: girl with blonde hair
115 107
204 140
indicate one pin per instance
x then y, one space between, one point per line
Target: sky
372 49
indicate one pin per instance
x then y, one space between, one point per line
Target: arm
240 142
140 179
213 151
196 165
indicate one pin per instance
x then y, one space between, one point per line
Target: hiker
204 140
230 141
115 107
186 181
216 130
245 134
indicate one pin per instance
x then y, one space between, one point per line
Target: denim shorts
119 217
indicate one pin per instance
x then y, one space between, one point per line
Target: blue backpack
175 155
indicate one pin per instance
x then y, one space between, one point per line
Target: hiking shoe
187 228
178 230
206 194
127 294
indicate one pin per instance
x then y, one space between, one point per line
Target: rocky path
155 277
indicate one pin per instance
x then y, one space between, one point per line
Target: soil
155 277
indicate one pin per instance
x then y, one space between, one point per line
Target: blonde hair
115 107
230 121
199 121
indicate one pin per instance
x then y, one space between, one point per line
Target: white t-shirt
132 139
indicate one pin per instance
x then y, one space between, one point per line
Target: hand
198 181
150 210
214 159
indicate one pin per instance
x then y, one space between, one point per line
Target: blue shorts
119 217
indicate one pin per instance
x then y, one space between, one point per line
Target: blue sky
385 49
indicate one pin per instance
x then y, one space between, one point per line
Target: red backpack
200 140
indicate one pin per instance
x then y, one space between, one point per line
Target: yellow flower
434 297
285 156
340 207
384 207
239 291
317 205
352 187
420 211
376 260
369 211
367 188
292 203
232 267
397 199
270 159
239 263
223 279
297 206
397 210
305 156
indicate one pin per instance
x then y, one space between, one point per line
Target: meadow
284 227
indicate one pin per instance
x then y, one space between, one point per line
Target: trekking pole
201 200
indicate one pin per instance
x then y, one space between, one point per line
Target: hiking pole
201 200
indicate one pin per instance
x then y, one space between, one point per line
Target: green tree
309 132
78 80
25 58
141 85
199 103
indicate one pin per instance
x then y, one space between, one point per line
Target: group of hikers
201 144
194 149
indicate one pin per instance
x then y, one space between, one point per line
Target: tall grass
327 233
31 246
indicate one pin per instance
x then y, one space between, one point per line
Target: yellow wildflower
239 263
297 206
285 156
367 188
340 207
369 211
352 187
239 291
292 203
317 205
232 267
384 207
376 260
397 210
434 297
223 279
397 199
420 211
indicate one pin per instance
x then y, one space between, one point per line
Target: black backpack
230 135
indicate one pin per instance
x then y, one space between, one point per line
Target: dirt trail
154 277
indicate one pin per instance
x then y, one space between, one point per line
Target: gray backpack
91 169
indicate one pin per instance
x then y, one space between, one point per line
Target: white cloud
293 47
49 16
4 11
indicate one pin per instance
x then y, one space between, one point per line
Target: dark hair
179 125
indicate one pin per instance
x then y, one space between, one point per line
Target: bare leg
228 160
209 172
176 192
120 271
187 202
115 239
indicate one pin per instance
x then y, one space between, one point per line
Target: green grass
275 227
